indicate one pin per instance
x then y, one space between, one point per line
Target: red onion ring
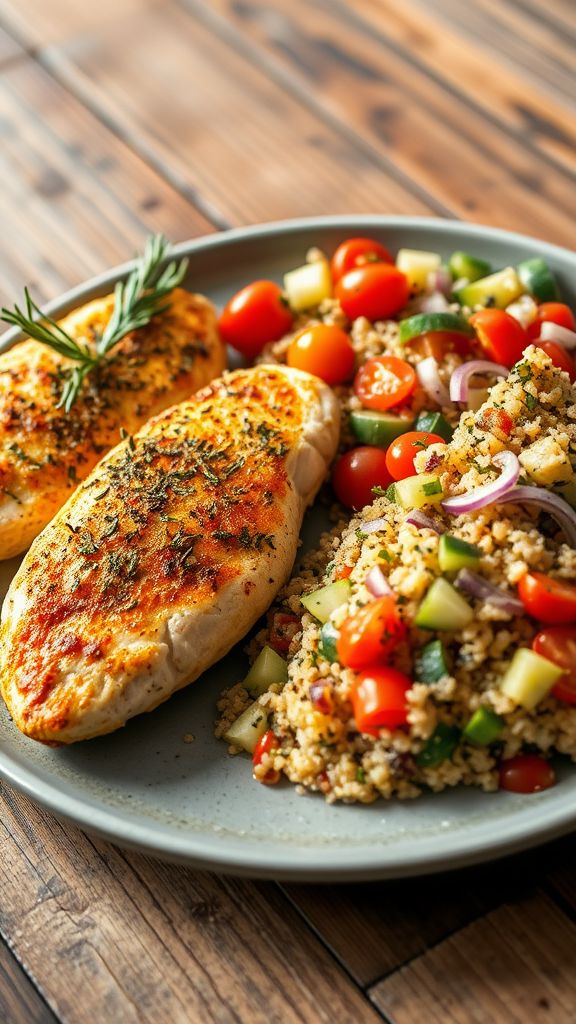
440 280
427 373
487 494
377 583
424 522
435 302
559 509
459 381
554 332
476 586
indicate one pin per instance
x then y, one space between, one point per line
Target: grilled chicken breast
166 555
45 451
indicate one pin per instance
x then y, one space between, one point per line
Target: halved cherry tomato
254 316
384 381
282 630
559 356
379 699
439 343
324 350
501 336
402 452
526 773
376 291
552 313
547 599
357 252
558 644
370 634
357 472
267 742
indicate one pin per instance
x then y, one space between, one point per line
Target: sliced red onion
373 525
440 280
424 522
435 302
477 586
427 373
487 494
554 332
377 583
556 507
524 310
459 381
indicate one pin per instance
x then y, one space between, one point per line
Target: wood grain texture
20 1002
37 23
9 48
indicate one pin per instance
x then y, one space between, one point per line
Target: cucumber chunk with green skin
484 727
328 639
454 554
529 678
462 264
268 668
443 608
378 428
417 491
247 729
538 279
434 423
499 289
431 662
322 602
423 323
439 747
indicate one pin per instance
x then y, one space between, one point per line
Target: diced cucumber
378 428
247 729
328 639
568 492
443 608
454 554
322 602
529 678
424 323
484 727
417 265
308 286
431 662
434 423
462 264
417 491
499 289
538 279
439 747
268 668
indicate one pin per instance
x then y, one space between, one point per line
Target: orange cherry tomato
547 599
559 356
552 313
558 644
526 773
254 316
402 452
357 472
379 699
384 381
376 291
267 742
500 335
357 252
324 350
370 634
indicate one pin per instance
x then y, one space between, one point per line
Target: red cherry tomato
526 773
383 382
357 472
439 343
370 634
376 291
558 644
357 252
500 335
402 452
282 630
559 356
254 316
379 699
552 313
547 599
324 350
267 742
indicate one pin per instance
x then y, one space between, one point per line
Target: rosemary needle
136 301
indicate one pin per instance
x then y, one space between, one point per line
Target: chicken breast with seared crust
166 555
45 451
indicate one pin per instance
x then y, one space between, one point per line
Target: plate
146 787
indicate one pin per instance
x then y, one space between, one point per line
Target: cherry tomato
383 382
526 773
559 356
324 350
357 252
344 572
357 472
547 599
376 291
552 313
558 644
500 335
379 699
439 343
283 628
370 634
254 316
267 742
402 452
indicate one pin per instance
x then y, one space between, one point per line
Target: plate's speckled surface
147 788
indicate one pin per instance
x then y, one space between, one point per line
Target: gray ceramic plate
146 788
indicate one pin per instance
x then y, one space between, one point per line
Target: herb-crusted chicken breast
45 451
166 555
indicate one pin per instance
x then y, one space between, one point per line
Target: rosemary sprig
136 301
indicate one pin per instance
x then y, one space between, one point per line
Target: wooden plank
512 966
9 48
143 942
20 1003
37 23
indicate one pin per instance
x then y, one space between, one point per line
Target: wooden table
121 117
